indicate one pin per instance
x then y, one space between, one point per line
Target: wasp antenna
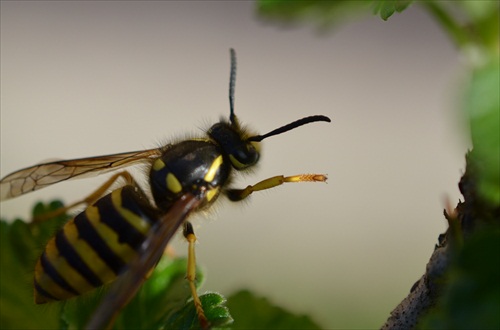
232 81
286 128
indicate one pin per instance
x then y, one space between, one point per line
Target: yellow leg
239 194
191 275
90 199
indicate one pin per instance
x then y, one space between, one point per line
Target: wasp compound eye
244 156
241 153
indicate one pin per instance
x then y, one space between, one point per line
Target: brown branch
469 216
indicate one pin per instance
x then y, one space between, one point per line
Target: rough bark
468 216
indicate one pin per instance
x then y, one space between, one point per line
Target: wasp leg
90 199
191 274
240 194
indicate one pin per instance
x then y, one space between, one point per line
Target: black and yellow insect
124 231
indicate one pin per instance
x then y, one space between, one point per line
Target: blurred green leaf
251 312
473 25
164 301
20 245
327 13
482 106
324 13
471 298
483 23
386 8
163 294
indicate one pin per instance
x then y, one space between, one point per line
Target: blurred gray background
89 78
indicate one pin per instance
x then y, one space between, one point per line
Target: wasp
123 233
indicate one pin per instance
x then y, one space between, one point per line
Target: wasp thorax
240 152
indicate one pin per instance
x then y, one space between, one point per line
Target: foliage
163 302
386 8
471 298
20 244
251 312
474 27
471 288
326 13
482 105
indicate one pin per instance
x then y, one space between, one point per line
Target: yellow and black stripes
99 243
94 247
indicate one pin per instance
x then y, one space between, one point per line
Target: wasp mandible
123 232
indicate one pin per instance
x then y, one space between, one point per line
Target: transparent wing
43 175
127 285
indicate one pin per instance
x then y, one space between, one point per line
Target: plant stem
449 24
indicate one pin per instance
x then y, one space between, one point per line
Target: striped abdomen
94 247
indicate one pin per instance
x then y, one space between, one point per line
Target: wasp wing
125 288
43 175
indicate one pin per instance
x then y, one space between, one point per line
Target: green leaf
482 106
386 8
484 22
326 13
471 298
164 301
215 311
251 312
20 246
